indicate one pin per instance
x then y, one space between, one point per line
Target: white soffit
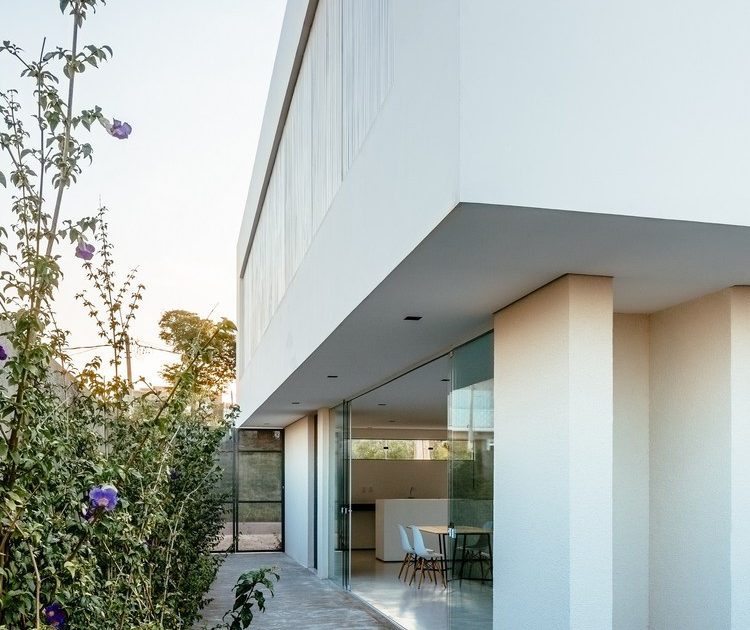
482 258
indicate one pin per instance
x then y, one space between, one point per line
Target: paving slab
301 599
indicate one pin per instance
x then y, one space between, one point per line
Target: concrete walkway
302 600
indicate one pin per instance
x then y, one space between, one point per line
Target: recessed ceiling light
412 318
333 376
295 403
382 404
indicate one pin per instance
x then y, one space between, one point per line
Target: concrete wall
403 182
630 526
599 106
299 509
691 465
553 458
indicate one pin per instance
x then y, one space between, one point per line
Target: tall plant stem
39 84
38 588
36 301
66 138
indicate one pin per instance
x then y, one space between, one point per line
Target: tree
206 344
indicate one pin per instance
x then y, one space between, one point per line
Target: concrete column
298 525
630 531
740 470
700 478
553 458
324 420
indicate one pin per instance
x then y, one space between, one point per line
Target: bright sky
191 77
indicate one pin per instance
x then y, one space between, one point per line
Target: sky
191 77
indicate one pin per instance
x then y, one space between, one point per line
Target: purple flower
104 496
120 130
3 354
85 251
55 615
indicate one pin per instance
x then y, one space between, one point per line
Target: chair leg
434 571
441 570
416 568
421 575
403 566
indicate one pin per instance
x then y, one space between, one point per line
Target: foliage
215 342
108 508
248 592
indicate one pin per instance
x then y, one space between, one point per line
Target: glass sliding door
340 497
471 439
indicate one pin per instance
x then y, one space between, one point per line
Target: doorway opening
420 454
253 464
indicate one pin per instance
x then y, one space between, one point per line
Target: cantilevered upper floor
443 158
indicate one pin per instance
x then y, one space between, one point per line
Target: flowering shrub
95 530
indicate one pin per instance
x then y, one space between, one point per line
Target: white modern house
568 185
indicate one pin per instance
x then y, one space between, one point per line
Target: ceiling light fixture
412 318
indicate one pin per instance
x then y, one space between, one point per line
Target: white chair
427 560
410 557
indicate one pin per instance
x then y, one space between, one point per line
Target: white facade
573 177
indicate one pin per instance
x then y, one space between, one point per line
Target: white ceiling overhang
482 258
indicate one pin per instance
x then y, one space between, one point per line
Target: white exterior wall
691 465
628 107
740 458
324 481
299 462
400 185
553 458
630 527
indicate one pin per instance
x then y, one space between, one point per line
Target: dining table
459 533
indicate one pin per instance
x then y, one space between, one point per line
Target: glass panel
226 535
259 526
226 487
338 560
259 440
438 450
471 457
259 476
259 465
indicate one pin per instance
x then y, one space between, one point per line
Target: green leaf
2 180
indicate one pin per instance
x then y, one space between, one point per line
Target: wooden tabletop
442 530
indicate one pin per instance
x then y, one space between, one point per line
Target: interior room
410 462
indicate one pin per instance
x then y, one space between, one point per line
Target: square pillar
700 476
323 507
554 457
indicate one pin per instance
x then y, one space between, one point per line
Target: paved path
302 600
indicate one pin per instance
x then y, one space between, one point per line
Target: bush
109 505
